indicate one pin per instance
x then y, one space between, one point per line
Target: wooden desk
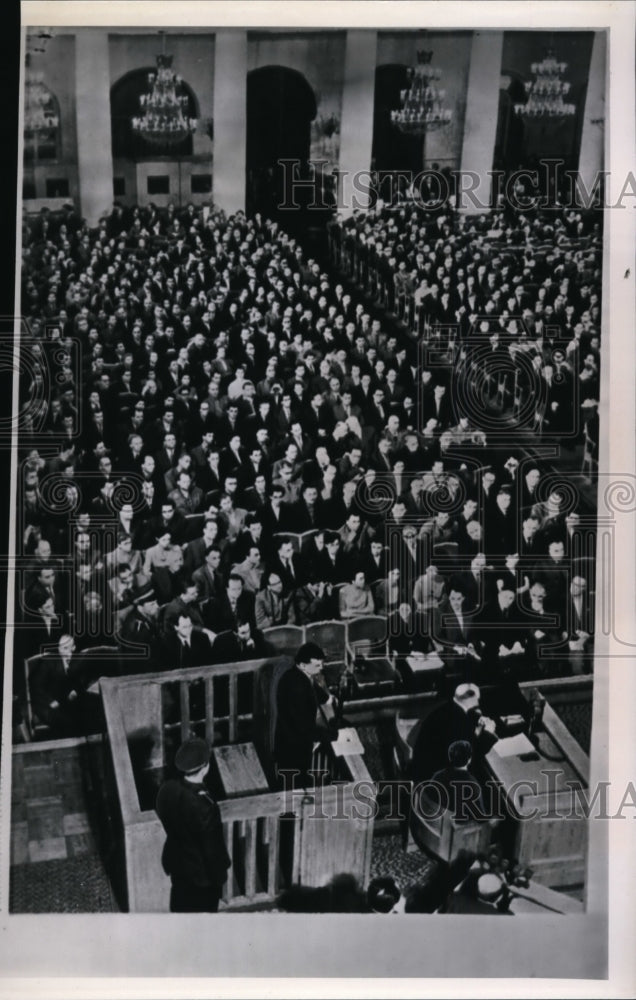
539 899
540 795
377 673
534 899
240 770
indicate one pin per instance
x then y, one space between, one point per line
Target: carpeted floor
577 716
68 885
388 858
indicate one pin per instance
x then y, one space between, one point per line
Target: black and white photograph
319 545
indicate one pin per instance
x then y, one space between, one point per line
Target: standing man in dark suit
299 696
194 856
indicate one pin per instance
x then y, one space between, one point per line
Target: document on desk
513 746
424 661
348 743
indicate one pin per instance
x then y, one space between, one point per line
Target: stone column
230 119
94 148
593 133
480 122
356 131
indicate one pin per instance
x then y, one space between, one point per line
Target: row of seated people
524 291
306 568
486 624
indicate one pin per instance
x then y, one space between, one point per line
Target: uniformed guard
194 856
142 629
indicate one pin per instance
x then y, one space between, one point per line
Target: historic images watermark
548 187
549 796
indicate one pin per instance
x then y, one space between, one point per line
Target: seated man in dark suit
222 613
459 719
502 632
299 697
185 647
453 634
455 788
58 694
242 643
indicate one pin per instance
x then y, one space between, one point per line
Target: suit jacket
460 792
300 518
218 616
448 630
501 533
269 609
228 648
194 555
194 851
297 700
50 682
495 627
177 656
446 724
290 580
209 585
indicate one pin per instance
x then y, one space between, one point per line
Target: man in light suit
272 606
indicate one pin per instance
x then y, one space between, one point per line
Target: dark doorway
280 108
392 149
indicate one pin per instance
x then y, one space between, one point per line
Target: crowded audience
228 437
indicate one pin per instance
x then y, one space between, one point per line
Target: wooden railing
295 836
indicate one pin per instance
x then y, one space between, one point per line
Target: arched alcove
125 104
280 108
42 139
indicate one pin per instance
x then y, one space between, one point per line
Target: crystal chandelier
163 120
547 90
422 103
40 113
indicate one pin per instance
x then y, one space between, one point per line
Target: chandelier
547 90
40 112
422 103
164 109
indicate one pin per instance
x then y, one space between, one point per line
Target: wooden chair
371 628
331 636
440 834
284 639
